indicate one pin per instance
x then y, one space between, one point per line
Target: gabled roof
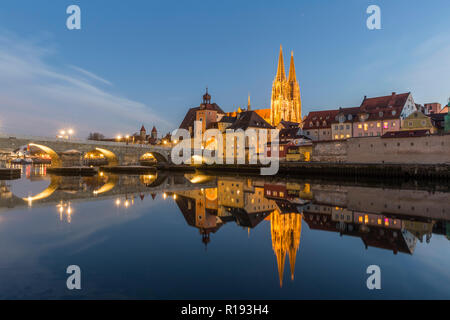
249 119
394 100
346 112
289 124
228 119
319 119
189 119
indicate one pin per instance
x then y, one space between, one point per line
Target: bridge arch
109 156
56 160
52 187
151 157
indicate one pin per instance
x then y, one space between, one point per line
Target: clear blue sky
137 62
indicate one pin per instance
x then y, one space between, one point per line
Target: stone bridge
116 153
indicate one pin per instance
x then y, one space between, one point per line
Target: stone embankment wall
434 149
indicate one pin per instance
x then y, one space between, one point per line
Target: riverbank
73 171
355 170
9 173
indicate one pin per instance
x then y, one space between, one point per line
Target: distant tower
143 133
154 133
285 102
248 103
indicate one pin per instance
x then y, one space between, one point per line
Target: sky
147 62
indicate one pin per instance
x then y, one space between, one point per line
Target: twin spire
281 75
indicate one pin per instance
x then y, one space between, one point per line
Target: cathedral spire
281 75
292 77
248 102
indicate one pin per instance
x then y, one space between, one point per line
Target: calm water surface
195 236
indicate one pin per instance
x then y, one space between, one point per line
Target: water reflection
392 218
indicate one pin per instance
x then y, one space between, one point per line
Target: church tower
285 102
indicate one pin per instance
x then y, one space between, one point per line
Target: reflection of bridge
102 187
116 153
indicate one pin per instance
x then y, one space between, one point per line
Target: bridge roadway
79 189
117 153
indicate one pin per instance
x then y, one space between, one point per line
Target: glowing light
164 196
118 202
127 203
174 196
70 131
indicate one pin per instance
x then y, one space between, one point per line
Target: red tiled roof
346 112
319 119
189 119
394 100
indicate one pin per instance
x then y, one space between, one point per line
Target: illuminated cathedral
285 103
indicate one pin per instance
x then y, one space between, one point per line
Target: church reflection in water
392 218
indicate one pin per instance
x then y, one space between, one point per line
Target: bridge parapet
117 153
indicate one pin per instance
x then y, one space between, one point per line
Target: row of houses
375 117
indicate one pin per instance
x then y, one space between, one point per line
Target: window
359 126
366 126
336 127
348 127
378 124
385 125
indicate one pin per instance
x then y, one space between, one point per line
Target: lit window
385 125
359 126
378 124
366 126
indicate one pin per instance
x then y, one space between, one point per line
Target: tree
96 136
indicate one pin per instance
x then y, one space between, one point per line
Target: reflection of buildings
375 230
199 208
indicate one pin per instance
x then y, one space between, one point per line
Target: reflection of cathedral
285 230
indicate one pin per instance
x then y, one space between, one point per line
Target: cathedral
285 103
